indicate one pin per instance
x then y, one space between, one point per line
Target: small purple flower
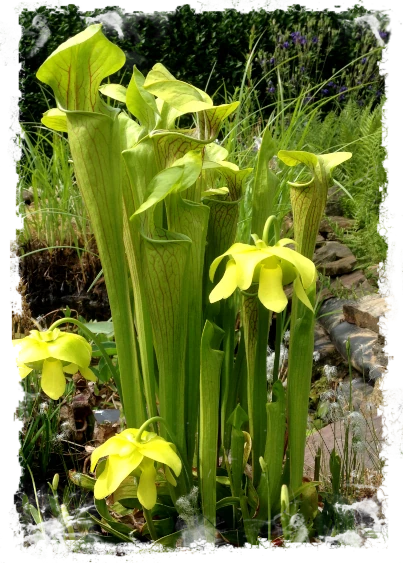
360 102
302 69
378 94
383 34
272 61
342 97
343 88
325 91
364 60
302 41
314 39
286 44
271 90
307 100
359 82
331 84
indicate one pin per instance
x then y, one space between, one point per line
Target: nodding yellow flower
127 452
54 353
270 266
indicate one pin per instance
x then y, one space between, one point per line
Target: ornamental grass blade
210 367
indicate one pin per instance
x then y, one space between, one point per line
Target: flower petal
117 468
160 450
24 370
70 348
113 446
147 490
227 285
169 477
271 292
304 266
302 296
289 272
235 248
88 374
71 369
246 263
31 350
53 381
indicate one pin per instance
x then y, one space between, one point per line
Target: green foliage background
200 48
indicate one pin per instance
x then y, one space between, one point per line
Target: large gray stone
334 259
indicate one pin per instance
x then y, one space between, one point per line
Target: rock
383 397
320 240
326 225
323 345
324 294
366 312
334 258
333 204
338 267
353 280
333 435
330 252
331 313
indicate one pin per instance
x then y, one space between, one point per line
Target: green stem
150 523
272 220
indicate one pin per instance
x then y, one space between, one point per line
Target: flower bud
66 516
55 482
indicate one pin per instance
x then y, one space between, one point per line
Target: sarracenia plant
163 204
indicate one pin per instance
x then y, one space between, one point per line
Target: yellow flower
125 454
54 353
271 266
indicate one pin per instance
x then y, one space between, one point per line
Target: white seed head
330 372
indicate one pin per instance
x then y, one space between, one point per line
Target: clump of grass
48 198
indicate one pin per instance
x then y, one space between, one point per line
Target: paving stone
333 435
